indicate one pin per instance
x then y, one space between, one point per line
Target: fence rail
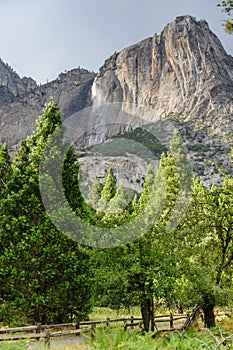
44 331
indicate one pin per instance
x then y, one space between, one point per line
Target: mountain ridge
182 74
71 90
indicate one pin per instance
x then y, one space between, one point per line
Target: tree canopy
44 276
184 256
227 7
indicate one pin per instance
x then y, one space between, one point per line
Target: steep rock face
71 90
183 71
24 102
12 87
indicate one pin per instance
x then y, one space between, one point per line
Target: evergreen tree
120 201
109 188
108 191
135 204
94 193
44 276
147 186
5 170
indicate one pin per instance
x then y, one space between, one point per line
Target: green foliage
13 346
147 187
144 269
227 7
191 340
109 188
206 248
111 340
179 259
44 276
5 170
94 193
120 200
231 155
190 264
146 139
31 149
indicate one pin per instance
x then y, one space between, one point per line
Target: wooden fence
162 323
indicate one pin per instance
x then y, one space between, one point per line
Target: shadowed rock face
22 100
183 71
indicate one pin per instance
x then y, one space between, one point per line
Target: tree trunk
152 314
179 308
209 317
145 310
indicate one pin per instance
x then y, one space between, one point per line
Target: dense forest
175 242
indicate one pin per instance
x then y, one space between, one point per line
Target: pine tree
147 186
120 201
109 188
41 270
94 193
5 170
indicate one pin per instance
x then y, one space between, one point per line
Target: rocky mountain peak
11 85
184 70
182 74
22 100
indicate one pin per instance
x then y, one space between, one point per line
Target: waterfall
95 94
109 118
93 90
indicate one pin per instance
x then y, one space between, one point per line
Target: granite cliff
184 71
182 74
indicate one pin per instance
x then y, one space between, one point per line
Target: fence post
38 330
47 339
93 331
171 320
132 322
77 326
107 322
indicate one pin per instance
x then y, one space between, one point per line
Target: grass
113 339
16 345
102 313
226 322
62 346
136 341
40 346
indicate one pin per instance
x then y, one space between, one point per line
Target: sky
42 38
